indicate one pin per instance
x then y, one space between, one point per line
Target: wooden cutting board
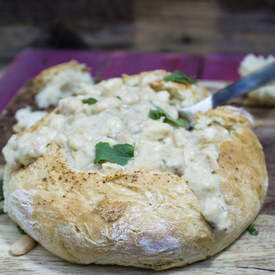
248 255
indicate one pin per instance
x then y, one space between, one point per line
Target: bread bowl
183 196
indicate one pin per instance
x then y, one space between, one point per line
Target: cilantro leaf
178 76
119 153
20 230
118 97
89 101
252 230
1 191
159 112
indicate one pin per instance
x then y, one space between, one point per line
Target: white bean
22 246
105 104
156 130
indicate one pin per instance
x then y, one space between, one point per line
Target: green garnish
159 112
1 191
89 101
118 97
252 230
119 153
2 212
178 76
20 230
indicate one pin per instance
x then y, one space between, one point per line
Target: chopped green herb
20 230
2 211
159 112
252 230
1 190
178 76
119 153
118 97
89 101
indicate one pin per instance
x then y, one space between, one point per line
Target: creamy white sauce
26 118
60 85
78 127
24 149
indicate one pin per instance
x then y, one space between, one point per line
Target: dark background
145 25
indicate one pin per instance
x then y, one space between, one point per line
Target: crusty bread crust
264 96
42 79
144 218
244 174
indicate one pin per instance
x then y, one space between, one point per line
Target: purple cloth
136 62
221 67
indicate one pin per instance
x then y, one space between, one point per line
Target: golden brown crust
141 76
226 117
244 184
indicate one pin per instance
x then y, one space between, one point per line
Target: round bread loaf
184 194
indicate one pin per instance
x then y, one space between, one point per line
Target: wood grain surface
247 255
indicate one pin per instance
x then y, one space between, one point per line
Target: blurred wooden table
200 27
